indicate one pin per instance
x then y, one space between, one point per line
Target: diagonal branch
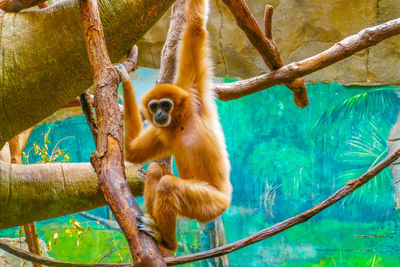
130 63
169 51
265 46
345 48
346 190
108 158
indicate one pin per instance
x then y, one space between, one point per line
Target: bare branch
269 10
75 103
18 5
130 62
108 160
168 53
266 47
345 48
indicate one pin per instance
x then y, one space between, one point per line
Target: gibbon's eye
166 104
153 105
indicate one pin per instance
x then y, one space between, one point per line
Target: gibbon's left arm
140 146
193 60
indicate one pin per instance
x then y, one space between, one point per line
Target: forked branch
265 46
365 38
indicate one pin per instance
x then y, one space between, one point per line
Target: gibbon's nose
161 117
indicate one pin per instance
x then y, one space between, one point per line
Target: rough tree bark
55 36
43 191
108 160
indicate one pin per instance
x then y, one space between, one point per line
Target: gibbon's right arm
193 60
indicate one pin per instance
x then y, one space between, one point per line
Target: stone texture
301 28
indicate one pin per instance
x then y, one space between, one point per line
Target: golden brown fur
194 137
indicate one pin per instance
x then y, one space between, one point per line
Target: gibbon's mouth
162 125
163 120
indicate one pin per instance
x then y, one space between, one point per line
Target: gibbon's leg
153 175
187 198
146 223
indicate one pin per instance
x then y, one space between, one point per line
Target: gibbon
185 124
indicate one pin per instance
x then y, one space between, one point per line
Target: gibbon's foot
123 74
147 224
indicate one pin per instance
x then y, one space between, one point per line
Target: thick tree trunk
108 159
42 191
51 39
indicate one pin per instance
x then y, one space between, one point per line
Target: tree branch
346 190
168 54
345 48
108 160
18 5
266 47
43 191
268 12
130 63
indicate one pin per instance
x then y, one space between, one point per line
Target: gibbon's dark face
161 111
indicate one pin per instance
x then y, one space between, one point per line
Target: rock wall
301 28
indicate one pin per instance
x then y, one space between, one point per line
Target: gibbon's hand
123 74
